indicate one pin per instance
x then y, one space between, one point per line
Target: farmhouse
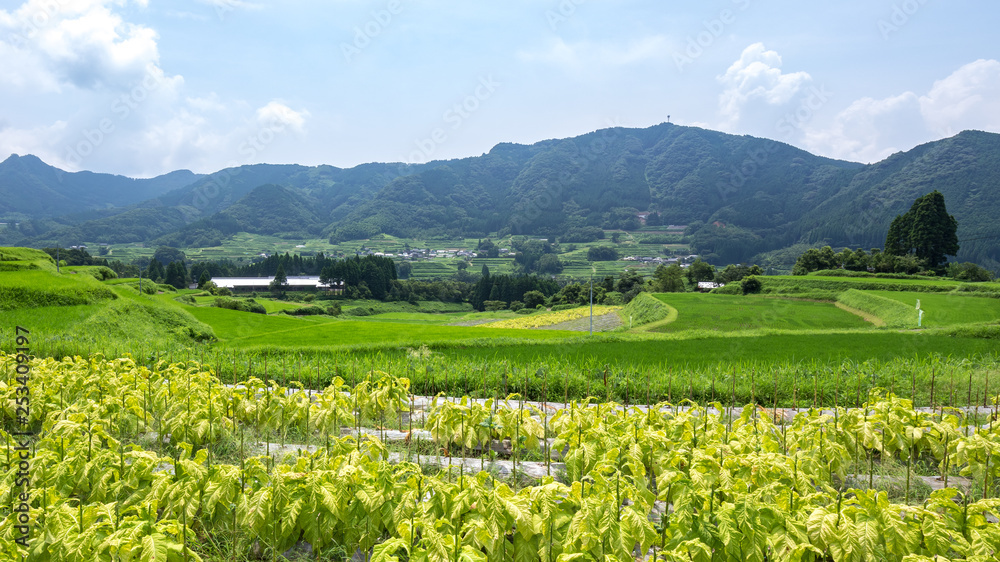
706 286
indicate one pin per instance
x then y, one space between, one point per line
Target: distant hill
739 196
604 179
965 168
190 215
31 189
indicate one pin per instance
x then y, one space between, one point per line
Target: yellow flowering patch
541 319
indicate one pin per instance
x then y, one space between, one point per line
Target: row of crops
138 463
579 368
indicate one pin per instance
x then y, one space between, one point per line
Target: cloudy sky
141 87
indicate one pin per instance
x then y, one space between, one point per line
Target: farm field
547 319
366 470
948 309
270 305
240 329
712 333
244 247
760 349
799 283
730 313
201 433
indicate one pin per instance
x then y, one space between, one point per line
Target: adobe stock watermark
551 192
562 13
809 103
704 39
225 7
366 33
900 16
35 22
249 149
859 231
90 139
455 116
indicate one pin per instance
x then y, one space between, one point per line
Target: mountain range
739 196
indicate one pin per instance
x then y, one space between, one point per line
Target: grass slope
646 309
948 309
114 324
39 288
892 312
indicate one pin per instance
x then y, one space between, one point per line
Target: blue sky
144 87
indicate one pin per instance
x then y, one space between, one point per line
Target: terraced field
730 313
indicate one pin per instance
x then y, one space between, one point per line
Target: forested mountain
191 215
739 195
964 168
267 209
31 189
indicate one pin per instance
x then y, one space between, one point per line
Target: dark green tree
155 271
533 298
403 270
896 239
969 272
926 231
750 285
280 281
628 280
176 275
549 264
699 271
602 253
167 255
668 279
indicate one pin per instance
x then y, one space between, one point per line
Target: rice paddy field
731 313
661 339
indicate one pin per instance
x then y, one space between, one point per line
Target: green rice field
730 313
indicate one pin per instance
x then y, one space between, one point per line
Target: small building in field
706 286
261 284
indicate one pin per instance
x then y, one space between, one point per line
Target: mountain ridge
57 192
739 195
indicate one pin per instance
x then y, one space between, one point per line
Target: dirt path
864 315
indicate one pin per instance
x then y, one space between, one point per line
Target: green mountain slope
965 168
738 195
267 209
191 215
603 180
30 188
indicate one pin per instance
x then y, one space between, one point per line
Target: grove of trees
926 231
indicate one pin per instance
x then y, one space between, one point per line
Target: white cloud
757 78
48 45
278 116
968 99
870 129
127 114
